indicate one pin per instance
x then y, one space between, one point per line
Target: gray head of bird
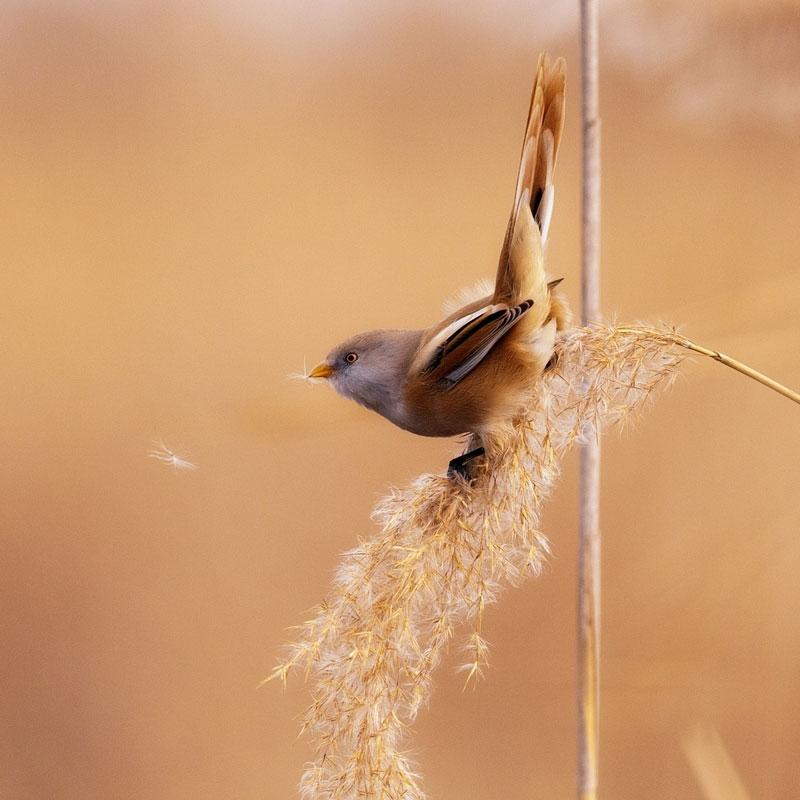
371 368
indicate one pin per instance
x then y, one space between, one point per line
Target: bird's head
371 368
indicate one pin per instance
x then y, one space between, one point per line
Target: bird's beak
321 371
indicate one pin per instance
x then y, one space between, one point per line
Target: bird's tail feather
520 272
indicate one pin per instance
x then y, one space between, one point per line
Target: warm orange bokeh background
197 197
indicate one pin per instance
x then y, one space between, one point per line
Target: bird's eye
350 358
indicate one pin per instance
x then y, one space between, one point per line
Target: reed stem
744 369
589 534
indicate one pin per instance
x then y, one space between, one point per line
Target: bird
472 370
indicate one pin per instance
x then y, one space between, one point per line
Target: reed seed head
445 550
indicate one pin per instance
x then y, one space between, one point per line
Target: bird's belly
436 418
489 394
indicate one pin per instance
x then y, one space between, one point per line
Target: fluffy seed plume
176 460
444 552
301 376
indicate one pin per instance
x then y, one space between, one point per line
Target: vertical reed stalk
589 542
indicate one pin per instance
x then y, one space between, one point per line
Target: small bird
472 370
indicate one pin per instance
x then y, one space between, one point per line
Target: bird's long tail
520 273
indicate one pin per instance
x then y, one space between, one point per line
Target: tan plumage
472 369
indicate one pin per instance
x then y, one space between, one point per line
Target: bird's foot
459 465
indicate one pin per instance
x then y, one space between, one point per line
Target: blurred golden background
198 196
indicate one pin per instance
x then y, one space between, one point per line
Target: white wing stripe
424 356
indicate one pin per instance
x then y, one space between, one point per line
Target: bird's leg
458 466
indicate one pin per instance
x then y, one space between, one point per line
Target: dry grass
444 552
673 338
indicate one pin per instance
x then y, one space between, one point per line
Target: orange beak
321 371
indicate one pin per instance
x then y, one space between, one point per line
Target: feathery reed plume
445 551
673 337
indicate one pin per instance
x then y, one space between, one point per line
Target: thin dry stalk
589 523
445 551
712 765
682 341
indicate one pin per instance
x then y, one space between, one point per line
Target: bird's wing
520 272
459 347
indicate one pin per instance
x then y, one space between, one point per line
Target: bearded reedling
472 370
